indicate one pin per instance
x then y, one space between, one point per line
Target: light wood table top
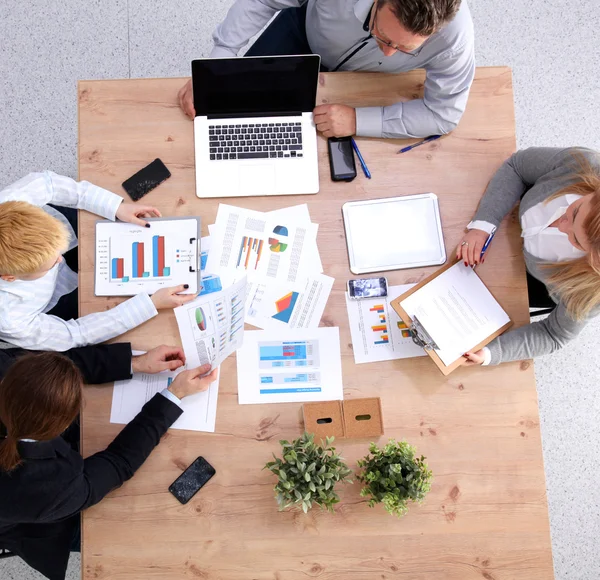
486 515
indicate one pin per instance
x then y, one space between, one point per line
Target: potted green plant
394 476
308 473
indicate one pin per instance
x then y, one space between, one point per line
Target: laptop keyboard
255 141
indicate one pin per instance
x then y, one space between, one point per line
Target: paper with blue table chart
131 259
378 333
212 326
290 366
200 410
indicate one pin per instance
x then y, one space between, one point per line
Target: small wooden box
324 419
363 418
353 419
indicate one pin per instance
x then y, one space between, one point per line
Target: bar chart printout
130 258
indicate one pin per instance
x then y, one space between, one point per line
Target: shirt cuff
487 356
487 227
369 121
169 395
222 52
113 204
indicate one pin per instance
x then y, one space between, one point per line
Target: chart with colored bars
251 249
138 266
378 333
130 258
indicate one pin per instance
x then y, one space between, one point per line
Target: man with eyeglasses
361 35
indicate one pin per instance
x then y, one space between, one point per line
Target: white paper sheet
457 311
256 242
212 326
131 259
285 366
199 410
378 333
299 305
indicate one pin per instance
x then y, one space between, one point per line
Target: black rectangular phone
145 180
192 480
341 158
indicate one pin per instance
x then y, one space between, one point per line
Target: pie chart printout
279 242
200 319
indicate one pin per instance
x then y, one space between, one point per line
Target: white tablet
394 233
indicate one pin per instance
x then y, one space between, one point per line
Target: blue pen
485 246
360 158
427 140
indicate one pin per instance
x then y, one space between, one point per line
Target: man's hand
161 358
192 381
335 120
131 213
473 358
186 99
169 297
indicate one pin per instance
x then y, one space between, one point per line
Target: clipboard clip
198 255
420 336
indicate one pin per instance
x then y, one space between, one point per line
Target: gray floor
553 48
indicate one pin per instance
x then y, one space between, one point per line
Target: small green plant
393 476
308 473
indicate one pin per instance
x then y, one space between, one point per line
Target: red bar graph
120 268
140 260
161 256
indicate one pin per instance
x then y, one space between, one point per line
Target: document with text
457 311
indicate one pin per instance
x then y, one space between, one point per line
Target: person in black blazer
44 481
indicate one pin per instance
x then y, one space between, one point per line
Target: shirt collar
362 9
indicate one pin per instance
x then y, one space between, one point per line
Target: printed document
199 410
131 259
212 326
299 305
255 242
378 333
290 366
457 311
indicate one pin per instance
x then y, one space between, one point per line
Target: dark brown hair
423 17
40 396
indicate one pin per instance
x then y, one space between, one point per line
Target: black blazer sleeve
108 469
103 363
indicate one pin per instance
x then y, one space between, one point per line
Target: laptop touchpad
257 178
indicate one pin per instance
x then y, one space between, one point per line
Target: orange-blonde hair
577 282
29 237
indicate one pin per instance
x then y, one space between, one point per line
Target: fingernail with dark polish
186 286
147 225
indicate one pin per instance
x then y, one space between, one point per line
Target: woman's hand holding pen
469 248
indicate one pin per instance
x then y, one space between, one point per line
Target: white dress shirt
24 303
539 239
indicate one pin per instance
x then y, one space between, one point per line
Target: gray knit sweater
538 172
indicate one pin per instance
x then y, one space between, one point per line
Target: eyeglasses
372 28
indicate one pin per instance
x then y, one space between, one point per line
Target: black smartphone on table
341 158
145 180
192 480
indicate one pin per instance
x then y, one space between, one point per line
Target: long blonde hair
577 282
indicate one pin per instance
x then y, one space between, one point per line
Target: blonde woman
559 191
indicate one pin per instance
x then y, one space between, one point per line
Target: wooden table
486 515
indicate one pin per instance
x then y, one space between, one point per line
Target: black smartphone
341 158
145 180
192 480
367 288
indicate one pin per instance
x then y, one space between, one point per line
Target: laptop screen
246 86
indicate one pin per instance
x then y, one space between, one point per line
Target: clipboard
421 336
170 263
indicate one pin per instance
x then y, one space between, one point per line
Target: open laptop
254 132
